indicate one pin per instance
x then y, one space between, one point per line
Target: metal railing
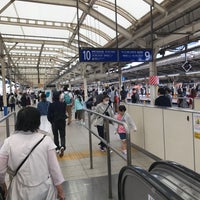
106 141
7 120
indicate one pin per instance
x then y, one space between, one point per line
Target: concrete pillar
98 86
3 74
120 77
70 86
153 72
85 88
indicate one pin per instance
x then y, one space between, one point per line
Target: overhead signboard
135 55
114 55
98 55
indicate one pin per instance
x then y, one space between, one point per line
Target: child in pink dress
125 117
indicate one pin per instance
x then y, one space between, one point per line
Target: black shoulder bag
106 112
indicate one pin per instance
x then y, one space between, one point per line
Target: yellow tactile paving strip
81 154
84 154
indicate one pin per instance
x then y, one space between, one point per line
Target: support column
70 86
120 77
153 72
98 86
3 73
85 88
84 68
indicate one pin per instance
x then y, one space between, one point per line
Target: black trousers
58 129
101 133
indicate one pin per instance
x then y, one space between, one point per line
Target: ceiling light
196 33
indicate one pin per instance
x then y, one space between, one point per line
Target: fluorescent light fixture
164 76
196 33
171 75
190 73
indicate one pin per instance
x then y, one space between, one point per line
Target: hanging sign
135 55
98 55
114 55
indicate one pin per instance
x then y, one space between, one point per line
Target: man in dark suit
162 100
57 117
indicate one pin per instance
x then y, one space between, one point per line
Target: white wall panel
179 137
136 113
197 154
153 127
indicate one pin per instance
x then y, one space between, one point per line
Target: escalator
183 181
164 181
135 183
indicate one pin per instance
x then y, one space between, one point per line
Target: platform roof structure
41 38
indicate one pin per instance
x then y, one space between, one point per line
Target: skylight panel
159 1
45 32
137 8
111 15
46 11
8 29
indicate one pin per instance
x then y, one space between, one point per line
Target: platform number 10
87 55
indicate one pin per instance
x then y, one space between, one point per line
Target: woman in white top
40 176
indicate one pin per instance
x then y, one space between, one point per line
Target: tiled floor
83 183
76 162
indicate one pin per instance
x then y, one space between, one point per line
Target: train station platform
82 182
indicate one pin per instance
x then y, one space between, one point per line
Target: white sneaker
102 149
124 152
57 151
61 152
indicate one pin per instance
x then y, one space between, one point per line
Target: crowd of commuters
34 123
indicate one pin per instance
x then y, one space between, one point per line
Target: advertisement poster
196 119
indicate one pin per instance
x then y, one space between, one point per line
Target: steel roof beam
6 6
156 5
47 42
120 11
38 63
51 50
97 15
80 21
50 25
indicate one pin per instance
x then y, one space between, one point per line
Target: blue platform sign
135 55
114 55
98 55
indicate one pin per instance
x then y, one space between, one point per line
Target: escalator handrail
186 171
159 186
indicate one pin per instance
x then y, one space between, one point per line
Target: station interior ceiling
40 39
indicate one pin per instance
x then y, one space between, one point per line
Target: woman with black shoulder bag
29 157
105 109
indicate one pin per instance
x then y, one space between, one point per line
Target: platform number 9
147 55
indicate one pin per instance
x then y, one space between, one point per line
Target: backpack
12 99
67 98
